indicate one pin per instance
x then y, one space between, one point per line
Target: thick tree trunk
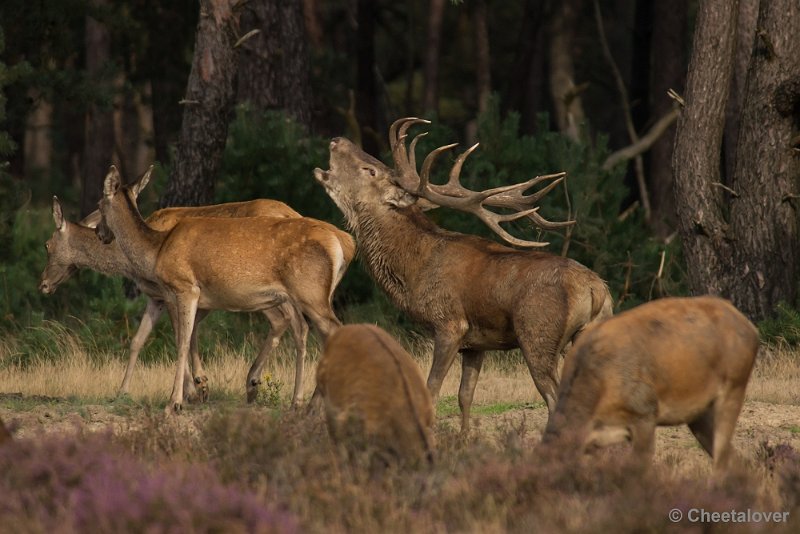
668 72
696 159
565 94
207 107
767 174
99 132
430 83
274 70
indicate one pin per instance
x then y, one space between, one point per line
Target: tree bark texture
696 160
767 174
207 107
483 65
566 98
430 73
668 62
99 130
274 70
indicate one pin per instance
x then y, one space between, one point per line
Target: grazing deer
667 362
367 376
475 294
235 264
74 246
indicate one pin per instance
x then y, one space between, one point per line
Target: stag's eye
370 170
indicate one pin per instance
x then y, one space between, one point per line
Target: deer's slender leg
300 336
726 412
184 311
198 373
279 322
540 346
471 363
151 315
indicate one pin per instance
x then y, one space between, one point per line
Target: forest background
677 123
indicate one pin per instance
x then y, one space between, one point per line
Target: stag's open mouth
322 176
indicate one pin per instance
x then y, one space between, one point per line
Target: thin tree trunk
764 215
99 132
483 66
668 72
366 86
563 90
696 159
207 107
274 71
430 91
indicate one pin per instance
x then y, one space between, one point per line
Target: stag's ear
58 215
141 183
399 198
92 220
112 182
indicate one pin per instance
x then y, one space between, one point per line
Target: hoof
173 408
192 397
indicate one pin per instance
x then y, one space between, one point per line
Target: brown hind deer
668 362
235 264
474 294
74 246
365 376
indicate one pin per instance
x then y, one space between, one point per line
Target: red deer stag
235 264
367 376
475 294
74 246
667 362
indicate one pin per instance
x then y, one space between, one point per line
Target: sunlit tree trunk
207 107
563 89
99 131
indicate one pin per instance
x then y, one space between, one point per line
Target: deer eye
370 170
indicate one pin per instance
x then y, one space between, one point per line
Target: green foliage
783 327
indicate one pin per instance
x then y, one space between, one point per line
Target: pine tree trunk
696 159
274 70
99 132
767 174
483 66
207 107
668 69
566 98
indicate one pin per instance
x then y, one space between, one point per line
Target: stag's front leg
471 363
151 315
184 312
446 343
199 374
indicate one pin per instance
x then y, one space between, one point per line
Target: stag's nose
335 142
44 287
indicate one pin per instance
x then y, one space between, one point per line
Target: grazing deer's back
166 218
365 373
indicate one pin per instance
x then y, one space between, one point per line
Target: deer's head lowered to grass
668 362
474 294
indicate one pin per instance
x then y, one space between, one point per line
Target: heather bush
87 484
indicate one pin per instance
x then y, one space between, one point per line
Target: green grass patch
448 405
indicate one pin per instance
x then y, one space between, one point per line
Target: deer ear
92 220
141 183
58 215
112 182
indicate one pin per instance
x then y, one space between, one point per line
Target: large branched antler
456 196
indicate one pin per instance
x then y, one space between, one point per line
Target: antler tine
397 134
424 176
515 198
493 223
412 155
455 172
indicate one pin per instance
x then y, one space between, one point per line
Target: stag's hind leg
198 373
471 363
541 347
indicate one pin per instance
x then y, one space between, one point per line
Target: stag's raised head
114 192
356 178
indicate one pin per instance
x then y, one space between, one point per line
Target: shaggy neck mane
387 238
